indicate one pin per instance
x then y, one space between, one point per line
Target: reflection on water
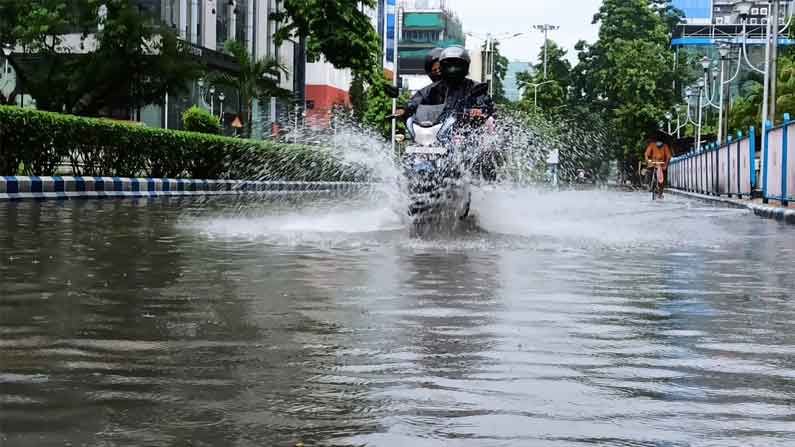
571 319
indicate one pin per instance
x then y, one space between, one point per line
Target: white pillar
250 23
193 30
231 28
208 37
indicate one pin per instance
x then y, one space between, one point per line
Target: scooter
438 162
434 166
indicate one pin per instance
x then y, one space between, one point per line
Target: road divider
57 187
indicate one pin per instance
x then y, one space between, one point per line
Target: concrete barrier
42 188
768 212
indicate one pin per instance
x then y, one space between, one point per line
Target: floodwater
551 319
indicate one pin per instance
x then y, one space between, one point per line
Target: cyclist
658 152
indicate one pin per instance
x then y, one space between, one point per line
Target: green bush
199 120
40 141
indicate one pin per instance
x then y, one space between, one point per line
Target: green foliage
379 107
500 71
336 29
257 79
553 95
133 63
627 75
42 140
199 120
746 111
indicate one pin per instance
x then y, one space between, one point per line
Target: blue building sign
699 11
390 31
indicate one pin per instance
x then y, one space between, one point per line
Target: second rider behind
452 86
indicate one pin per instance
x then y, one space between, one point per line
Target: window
753 21
421 36
754 11
763 11
764 21
719 20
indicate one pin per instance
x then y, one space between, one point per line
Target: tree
379 107
628 74
337 29
256 79
553 96
500 71
130 63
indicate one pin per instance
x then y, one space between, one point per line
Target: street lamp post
724 54
490 62
774 14
398 31
546 28
535 90
701 92
7 50
212 100
669 117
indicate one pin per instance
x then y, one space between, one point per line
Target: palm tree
257 79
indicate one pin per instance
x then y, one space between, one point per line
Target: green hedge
35 143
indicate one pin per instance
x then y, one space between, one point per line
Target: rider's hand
476 113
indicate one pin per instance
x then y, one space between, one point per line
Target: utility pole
768 54
773 56
546 28
398 20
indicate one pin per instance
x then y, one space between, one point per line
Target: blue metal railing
778 138
702 170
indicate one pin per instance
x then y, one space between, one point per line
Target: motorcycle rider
434 71
455 87
452 88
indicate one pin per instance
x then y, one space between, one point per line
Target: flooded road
564 319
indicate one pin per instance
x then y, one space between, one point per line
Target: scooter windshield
427 116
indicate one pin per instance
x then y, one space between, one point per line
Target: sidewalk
768 211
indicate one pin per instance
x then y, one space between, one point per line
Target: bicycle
656 184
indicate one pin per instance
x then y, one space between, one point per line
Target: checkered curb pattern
19 188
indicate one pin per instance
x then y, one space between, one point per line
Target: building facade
327 87
207 25
729 12
697 12
424 25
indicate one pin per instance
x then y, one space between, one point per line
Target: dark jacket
422 96
452 95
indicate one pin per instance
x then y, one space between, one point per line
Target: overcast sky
503 16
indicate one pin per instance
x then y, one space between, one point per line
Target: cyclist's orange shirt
662 154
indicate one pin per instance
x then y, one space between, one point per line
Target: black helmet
455 63
431 58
